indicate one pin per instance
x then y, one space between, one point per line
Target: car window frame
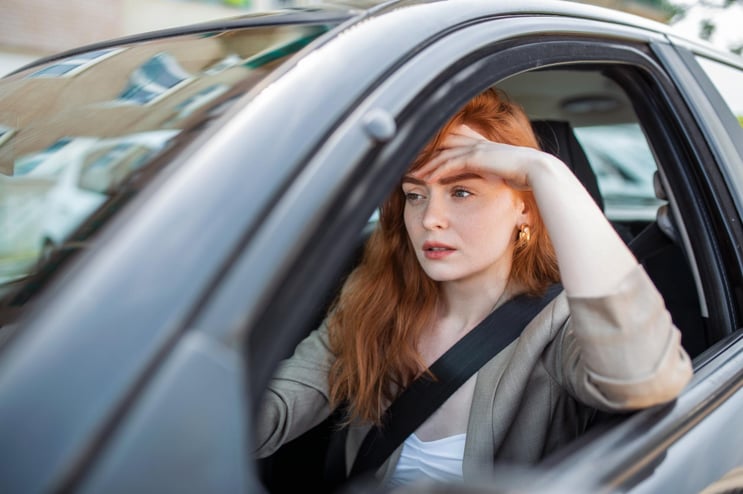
696 193
425 92
455 100
714 126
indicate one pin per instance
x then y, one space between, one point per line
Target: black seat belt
425 395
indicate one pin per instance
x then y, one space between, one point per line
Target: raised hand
467 150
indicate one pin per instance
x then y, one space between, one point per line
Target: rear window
620 156
728 80
77 133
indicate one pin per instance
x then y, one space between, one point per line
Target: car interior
588 121
576 102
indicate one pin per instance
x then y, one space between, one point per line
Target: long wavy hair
388 301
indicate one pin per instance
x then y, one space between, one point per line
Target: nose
435 215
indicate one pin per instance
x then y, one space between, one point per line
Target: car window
624 165
620 159
612 134
104 116
602 119
728 80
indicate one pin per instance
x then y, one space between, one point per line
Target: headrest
557 138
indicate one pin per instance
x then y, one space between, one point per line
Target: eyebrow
446 180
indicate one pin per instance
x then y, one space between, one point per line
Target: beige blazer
618 352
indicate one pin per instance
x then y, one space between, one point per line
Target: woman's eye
461 193
413 196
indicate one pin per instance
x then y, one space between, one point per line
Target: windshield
81 133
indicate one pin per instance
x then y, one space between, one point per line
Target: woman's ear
525 211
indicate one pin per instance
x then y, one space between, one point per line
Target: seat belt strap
425 395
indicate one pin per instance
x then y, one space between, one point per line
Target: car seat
658 248
557 138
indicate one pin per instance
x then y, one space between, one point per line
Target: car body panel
149 365
633 452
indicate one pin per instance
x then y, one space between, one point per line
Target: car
237 166
72 178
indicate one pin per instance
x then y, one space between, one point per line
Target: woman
482 216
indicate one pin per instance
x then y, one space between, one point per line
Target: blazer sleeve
296 398
621 352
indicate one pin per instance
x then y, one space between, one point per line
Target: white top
439 460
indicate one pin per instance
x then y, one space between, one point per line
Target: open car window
589 121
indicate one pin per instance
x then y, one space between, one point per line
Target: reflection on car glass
153 79
282 49
188 106
5 133
109 114
53 191
727 80
229 61
29 163
624 167
74 65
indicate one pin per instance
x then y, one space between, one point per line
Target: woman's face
463 226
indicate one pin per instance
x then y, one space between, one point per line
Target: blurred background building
33 28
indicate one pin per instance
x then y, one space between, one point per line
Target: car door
701 215
704 428
404 110
691 445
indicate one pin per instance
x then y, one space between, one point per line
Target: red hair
388 301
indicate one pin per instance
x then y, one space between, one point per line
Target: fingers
465 149
463 153
444 163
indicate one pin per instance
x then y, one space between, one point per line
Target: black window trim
712 122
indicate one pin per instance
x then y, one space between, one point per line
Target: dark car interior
560 104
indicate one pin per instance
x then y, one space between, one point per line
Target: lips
436 250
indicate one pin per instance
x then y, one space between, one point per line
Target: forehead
445 180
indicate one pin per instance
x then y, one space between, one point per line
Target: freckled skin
474 215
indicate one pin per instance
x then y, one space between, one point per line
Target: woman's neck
465 305
459 312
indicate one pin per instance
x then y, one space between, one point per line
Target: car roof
348 13
351 12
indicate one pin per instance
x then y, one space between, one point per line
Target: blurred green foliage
707 27
670 8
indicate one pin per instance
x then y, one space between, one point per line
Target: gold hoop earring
524 235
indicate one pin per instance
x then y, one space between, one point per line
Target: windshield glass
80 133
